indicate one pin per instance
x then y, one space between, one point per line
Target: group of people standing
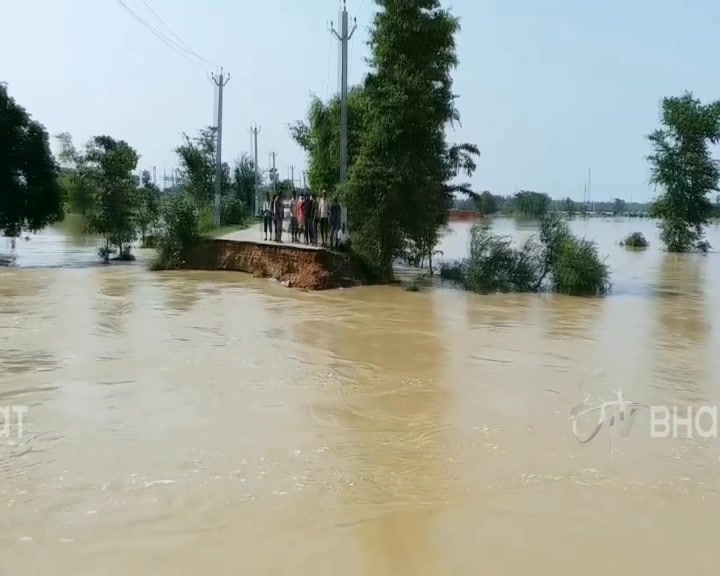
308 217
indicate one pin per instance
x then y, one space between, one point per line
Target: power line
186 47
360 8
169 43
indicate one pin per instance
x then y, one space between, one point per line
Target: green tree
319 136
79 191
399 185
109 165
30 195
147 207
531 204
179 230
568 206
285 188
198 157
618 206
243 180
682 166
486 203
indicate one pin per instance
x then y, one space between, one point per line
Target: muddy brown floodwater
212 423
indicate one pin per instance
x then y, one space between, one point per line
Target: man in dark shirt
311 219
279 208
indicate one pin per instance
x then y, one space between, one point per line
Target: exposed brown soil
292 266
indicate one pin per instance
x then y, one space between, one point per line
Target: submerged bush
180 230
635 240
555 260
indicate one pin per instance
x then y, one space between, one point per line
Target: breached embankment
292 265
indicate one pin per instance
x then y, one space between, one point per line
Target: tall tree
682 166
319 136
243 180
618 206
531 204
79 192
568 206
198 163
30 195
109 165
399 186
486 203
147 208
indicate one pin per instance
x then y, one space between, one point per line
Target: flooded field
189 423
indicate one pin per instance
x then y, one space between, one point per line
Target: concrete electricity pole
255 131
220 82
292 176
343 37
273 154
304 181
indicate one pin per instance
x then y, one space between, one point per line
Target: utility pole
273 154
292 176
220 82
304 182
254 130
155 175
343 37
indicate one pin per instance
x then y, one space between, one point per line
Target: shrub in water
180 229
634 240
555 260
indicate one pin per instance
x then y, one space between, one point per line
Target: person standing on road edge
301 218
267 216
323 215
279 216
294 217
311 219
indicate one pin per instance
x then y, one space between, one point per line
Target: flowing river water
190 423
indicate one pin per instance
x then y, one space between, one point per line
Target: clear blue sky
547 88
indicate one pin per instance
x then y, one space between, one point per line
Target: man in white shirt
324 213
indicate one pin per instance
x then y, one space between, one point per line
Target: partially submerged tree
618 206
400 185
531 204
554 260
568 206
30 195
79 192
682 166
147 208
487 203
109 165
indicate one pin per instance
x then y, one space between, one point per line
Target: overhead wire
360 8
168 42
184 45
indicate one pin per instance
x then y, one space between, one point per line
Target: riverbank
293 265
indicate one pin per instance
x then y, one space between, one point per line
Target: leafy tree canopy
30 195
681 165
